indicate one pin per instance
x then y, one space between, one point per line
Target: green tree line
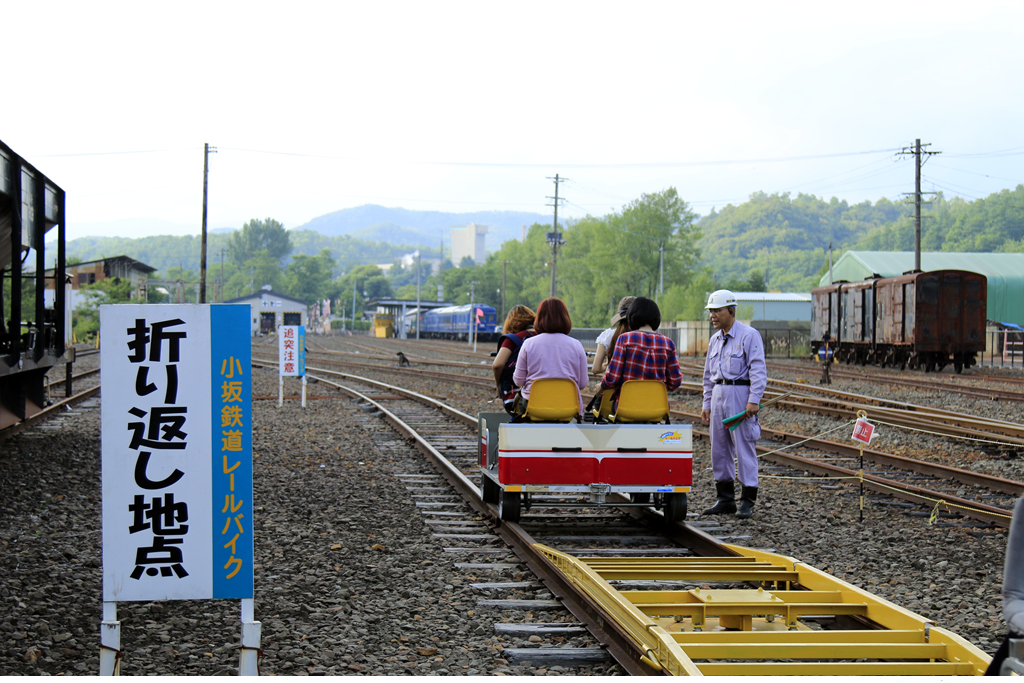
654 246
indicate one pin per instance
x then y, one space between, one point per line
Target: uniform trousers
729 447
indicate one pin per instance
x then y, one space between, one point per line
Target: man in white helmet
735 378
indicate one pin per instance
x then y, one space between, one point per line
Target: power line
100 154
983 175
666 164
1013 151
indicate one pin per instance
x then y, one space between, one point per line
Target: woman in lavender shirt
551 353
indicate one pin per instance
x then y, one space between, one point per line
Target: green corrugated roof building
1005 273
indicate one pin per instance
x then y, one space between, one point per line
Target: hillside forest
769 243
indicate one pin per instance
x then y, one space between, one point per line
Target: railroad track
647 588
949 493
1007 437
878 376
50 411
56 407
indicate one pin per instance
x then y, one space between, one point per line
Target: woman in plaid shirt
642 353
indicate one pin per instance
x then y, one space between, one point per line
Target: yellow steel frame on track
758 631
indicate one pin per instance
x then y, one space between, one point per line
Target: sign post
291 347
176 460
863 431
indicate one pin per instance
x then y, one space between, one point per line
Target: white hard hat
720 299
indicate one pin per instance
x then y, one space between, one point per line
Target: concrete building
1005 273
270 309
469 240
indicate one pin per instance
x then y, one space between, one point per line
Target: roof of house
264 294
772 296
859 265
137 265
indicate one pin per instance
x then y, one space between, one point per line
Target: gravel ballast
349 579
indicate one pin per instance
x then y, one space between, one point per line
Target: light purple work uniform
738 355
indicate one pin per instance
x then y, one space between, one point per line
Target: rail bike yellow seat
642 400
553 400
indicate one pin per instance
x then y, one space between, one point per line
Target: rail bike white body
519 461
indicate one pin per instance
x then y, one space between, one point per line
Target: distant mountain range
403 226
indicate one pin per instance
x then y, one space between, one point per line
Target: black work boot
726 503
748 497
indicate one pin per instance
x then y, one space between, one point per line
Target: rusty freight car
921 320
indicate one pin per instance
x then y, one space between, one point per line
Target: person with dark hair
735 377
518 328
551 352
606 340
642 353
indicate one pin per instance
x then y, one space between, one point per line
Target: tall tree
310 277
256 236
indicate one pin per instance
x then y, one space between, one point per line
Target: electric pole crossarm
919 154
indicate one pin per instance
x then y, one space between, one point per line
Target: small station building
270 309
403 310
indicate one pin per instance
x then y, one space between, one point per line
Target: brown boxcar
924 320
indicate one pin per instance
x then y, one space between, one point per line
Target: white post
280 390
303 391
248 664
110 641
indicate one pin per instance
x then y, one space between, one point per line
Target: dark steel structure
33 331
922 320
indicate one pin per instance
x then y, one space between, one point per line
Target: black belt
740 382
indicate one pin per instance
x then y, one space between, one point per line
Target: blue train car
456 322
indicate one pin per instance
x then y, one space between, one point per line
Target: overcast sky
465 106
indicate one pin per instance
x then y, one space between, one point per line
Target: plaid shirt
643 355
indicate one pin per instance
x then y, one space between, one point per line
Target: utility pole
504 278
661 271
472 314
353 306
202 250
555 238
418 311
919 155
221 271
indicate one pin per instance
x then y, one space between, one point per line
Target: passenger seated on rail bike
1013 594
607 348
640 354
518 327
606 340
551 354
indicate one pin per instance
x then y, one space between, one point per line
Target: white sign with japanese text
176 452
291 350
